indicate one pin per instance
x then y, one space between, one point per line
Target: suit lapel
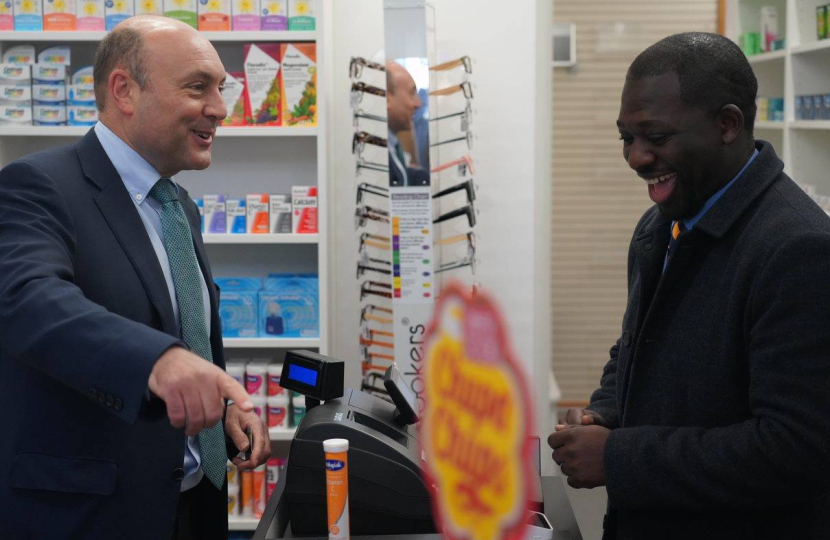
121 215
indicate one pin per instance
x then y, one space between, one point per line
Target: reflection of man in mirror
402 102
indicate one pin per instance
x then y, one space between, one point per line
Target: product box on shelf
215 214
289 303
304 203
116 11
15 94
21 55
245 15
49 74
238 306
280 206
55 56
237 310
821 22
825 108
81 94
15 115
59 15
769 27
236 216
750 43
149 7
89 15
799 107
83 76
234 97
49 114
182 10
49 93
28 15
301 15
262 83
81 115
278 411
818 107
299 84
257 213
272 475
214 15
298 409
274 15
200 204
16 74
6 16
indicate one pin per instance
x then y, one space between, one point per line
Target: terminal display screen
303 375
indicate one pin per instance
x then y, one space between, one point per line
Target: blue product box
239 284
818 105
799 107
289 307
238 311
807 108
825 109
201 206
236 214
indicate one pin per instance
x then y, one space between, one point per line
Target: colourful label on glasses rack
475 423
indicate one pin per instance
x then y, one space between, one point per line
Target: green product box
821 22
750 43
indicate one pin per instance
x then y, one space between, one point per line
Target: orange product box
59 15
258 214
214 15
262 83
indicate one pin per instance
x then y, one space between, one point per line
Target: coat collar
760 174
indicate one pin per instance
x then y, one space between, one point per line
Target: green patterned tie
178 243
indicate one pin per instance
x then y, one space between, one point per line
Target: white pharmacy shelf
242 523
769 125
820 45
80 131
810 124
225 239
271 343
281 434
247 36
767 57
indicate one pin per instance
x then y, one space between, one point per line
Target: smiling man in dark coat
713 416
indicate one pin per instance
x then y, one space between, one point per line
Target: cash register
387 492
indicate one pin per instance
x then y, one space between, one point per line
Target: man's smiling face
677 149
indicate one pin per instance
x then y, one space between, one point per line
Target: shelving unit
261 238
80 131
271 343
799 69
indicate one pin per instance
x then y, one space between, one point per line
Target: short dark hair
712 72
121 48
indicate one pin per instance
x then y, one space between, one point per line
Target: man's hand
194 390
236 424
580 417
579 451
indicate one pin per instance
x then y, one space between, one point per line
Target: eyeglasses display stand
415 190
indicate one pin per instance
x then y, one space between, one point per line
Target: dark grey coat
718 390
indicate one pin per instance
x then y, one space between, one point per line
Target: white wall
510 45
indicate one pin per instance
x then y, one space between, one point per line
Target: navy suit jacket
84 314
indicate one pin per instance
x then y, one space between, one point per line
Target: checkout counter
388 498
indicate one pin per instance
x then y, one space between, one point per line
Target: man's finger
558 439
262 447
588 420
175 410
195 413
214 408
574 416
237 435
229 388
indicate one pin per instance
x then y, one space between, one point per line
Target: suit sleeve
45 319
780 455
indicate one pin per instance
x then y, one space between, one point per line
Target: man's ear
731 123
123 91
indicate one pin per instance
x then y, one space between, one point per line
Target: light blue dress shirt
139 177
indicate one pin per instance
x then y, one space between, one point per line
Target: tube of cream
337 487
